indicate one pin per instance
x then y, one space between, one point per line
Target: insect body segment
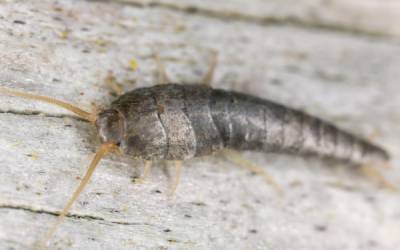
251 123
178 122
110 125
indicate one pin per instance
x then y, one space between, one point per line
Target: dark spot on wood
167 230
57 18
295 183
320 228
276 81
86 51
304 196
191 9
56 80
292 68
58 8
84 203
67 125
224 202
92 239
253 231
172 241
19 22
157 191
187 216
329 76
134 178
114 211
370 199
199 203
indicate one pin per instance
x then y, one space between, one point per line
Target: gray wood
65 50
372 17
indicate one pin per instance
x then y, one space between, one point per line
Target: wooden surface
371 17
348 75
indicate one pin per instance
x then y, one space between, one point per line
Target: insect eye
118 144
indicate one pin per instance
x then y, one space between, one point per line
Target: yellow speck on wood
34 156
133 64
101 42
63 34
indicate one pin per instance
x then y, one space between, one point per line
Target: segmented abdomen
250 123
176 121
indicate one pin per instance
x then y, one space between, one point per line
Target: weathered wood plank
65 50
372 17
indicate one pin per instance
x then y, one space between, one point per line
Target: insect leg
236 158
374 175
147 166
111 81
210 73
162 74
178 167
101 152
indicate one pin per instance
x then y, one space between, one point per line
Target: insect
176 122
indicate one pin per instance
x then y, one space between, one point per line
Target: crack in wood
74 215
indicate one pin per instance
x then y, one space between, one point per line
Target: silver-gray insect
178 122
